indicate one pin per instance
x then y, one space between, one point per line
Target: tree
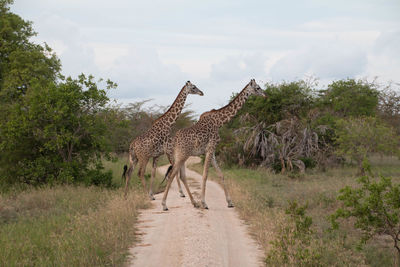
349 97
52 129
389 106
56 133
284 100
22 62
358 137
375 207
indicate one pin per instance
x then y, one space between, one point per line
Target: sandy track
185 236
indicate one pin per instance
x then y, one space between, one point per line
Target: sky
151 48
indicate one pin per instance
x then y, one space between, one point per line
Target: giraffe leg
181 194
142 169
171 177
132 164
169 156
153 174
183 177
203 185
221 175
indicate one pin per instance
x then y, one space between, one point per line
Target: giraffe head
255 89
192 89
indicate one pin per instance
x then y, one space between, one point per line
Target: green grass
261 198
70 225
117 166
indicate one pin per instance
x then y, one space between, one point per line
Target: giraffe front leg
204 181
171 177
153 174
221 175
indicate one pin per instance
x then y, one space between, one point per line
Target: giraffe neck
225 114
169 118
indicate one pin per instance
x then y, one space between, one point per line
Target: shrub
374 206
358 137
292 245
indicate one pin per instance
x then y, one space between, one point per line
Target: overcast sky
151 48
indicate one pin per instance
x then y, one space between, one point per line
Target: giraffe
154 142
202 138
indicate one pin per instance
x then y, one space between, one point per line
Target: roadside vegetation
265 200
72 225
312 169
61 141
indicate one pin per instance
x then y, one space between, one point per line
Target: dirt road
185 236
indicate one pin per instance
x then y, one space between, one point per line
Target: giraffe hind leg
178 177
153 174
142 170
183 177
128 173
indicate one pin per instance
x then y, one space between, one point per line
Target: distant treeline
300 125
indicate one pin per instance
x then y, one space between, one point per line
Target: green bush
99 178
374 208
358 137
292 247
309 162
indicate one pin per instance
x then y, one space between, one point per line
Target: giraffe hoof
196 205
230 205
182 195
204 205
165 208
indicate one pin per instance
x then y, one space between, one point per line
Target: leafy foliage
389 106
358 137
21 61
350 98
292 245
55 133
285 100
375 206
52 129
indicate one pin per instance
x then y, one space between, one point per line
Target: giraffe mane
169 109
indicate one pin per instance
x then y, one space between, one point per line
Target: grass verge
71 225
261 198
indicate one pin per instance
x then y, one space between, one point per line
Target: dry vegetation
70 225
261 198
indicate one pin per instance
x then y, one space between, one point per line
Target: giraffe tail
125 169
166 174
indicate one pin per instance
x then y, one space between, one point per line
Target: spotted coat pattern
203 137
153 143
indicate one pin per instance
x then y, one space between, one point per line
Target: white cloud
139 72
151 48
325 61
384 59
